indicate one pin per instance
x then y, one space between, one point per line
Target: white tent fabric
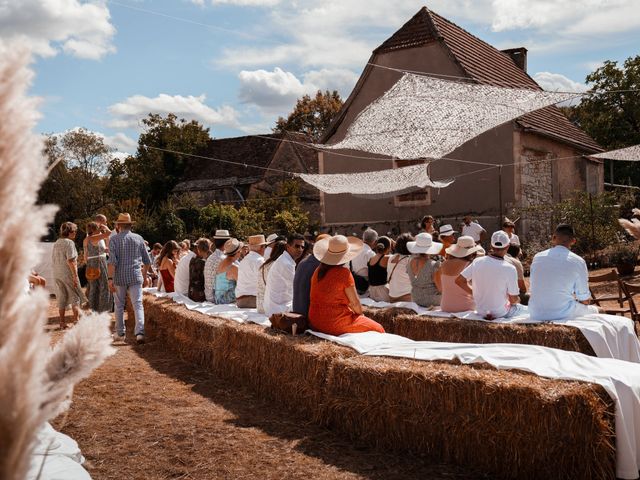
380 183
424 117
629 154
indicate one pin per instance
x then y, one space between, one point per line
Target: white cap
500 239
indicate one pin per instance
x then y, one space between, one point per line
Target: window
417 198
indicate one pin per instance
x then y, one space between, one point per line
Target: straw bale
438 329
504 423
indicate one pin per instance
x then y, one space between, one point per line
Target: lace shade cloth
630 154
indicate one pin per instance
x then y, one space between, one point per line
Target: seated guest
494 280
459 256
397 276
271 240
335 308
302 281
181 278
211 265
447 237
278 294
196 270
277 249
378 289
359 264
227 273
185 248
559 280
510 229
247 287
425 286
166 262
513 257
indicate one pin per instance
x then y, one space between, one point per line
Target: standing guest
98 293
359 265
153 254
278 249
335 308
185 248
271 240
302 281
196 270
473 229
559 280
495 282
101 220
278 294
513 257
510 229
459 256
36 280
397 276
227 273
248 270
211 265
128 265
167 262
65 272
181 279
427 225
378 289
447 237
422 268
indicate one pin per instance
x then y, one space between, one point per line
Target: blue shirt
558 279
302 284
127 252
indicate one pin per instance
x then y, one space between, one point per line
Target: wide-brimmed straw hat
256 240
124 218
337 250
465 245
424 244
221 235
232 246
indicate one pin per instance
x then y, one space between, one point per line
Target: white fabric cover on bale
380 183
424 117
629 154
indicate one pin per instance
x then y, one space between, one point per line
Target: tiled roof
417 31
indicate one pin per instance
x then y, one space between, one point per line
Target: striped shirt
127 252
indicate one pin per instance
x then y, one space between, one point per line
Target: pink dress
454 299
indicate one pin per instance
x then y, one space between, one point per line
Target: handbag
285 322
92 273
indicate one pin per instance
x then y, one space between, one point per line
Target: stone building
549 152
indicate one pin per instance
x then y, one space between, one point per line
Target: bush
169 227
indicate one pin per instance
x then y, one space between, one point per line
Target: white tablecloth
56 457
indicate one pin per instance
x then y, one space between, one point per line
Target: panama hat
124 218
221 235
232 246
256 240
337 250
465 245
424 244
446 230
272 238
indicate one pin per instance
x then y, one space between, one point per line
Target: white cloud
244 3
121 142
555 82
128 113
47 27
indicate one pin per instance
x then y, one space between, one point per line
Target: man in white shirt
211 265
473 229
494 282
510 228
360 264
278 294
247 286
181 279
559 280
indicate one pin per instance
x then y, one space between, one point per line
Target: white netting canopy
381 183
424 117
629 154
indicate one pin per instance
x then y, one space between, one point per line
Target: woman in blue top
227 273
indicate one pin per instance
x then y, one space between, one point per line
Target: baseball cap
500 239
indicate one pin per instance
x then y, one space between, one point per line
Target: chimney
519 57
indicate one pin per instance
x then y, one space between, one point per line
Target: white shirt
278 294
398 277
559 277
210 267
359 265
473 230
248 274
267 252
181 279
492 281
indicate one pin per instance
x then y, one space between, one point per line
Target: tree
311 116
611 115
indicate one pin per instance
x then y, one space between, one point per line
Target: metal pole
593 233
500 196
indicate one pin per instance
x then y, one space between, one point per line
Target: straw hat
256 240
124 218
446 230
232 246
463 247
424 244
221 235
272 238
337 250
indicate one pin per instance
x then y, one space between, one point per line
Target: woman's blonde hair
67 228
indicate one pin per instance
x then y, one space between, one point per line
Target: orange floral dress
329 310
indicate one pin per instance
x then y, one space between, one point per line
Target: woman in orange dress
335 307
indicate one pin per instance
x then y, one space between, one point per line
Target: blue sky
236 65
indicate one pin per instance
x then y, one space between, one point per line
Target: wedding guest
248 270
302 281
277 249
98 293
510 229
447 237
211 266
196 270
167 262
397 276
459 256
271 240
278 295
378 289
185 248
422 268
473 229
64 258
427 225
227 273
181 277
513 257
359 264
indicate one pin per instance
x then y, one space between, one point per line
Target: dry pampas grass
36 382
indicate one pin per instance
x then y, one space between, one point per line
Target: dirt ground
146 415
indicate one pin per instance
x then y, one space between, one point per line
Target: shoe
139 339
119 338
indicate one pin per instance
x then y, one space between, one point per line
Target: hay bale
504 423
438 329
386 316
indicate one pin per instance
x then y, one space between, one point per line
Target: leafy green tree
311 116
